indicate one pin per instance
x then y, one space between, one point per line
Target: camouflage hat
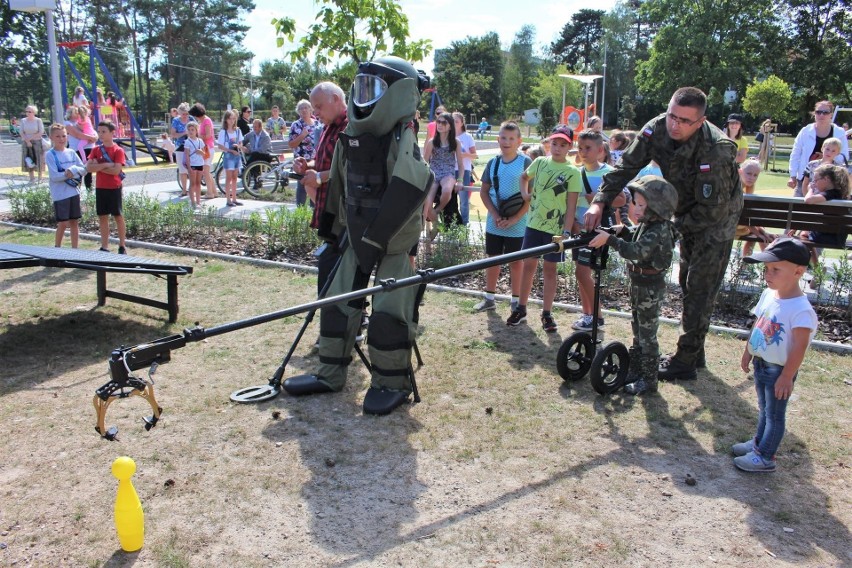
660 194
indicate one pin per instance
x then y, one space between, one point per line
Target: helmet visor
367 89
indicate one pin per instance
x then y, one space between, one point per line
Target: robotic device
579 355
125 360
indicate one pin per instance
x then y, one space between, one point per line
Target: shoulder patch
647 133
704 168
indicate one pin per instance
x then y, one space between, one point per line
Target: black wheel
182 189
260 179
609 368
575 356
219 174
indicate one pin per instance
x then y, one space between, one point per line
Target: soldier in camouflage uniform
698 160
649 255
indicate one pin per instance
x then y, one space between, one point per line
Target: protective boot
647 382
381 401
306 384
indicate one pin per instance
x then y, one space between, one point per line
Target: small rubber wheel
575 356
609 368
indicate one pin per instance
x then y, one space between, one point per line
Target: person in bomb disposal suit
699 161
377 188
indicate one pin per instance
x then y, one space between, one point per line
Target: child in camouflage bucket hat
647 248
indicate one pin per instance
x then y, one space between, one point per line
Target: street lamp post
46 6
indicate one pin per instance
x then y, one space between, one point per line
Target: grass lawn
502 464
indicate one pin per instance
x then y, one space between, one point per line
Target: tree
549 85
820 33
547 116
705 44
23 61
468 75
355 29
519 73
770 97
579 39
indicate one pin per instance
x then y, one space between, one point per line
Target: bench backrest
793 213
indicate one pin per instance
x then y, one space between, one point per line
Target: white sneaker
485 305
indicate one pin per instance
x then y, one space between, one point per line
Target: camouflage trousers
647 294
703 262
391 331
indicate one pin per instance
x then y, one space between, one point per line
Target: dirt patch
502 464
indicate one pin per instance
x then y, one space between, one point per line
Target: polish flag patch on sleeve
704 168
647 133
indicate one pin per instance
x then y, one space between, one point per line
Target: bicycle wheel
182 189
260 179
219 174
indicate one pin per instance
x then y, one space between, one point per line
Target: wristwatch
319 179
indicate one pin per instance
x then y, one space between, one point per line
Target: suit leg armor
392 329
339 323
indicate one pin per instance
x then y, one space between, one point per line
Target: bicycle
219 175
262 178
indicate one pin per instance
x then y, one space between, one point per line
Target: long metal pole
603 92
58 112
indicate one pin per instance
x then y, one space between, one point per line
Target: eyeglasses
680 120
822 112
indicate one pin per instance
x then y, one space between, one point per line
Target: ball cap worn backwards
564 132
783 248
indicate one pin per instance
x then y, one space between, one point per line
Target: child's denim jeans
772 411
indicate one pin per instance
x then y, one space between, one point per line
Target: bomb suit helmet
374 78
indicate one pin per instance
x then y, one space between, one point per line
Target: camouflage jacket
651 244
702 169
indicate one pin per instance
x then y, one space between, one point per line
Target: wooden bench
792 213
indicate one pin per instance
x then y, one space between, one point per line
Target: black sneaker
122 250
672 369
548 324
517 317
102 249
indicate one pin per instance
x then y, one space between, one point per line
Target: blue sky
442 21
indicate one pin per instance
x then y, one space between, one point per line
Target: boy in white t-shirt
784 328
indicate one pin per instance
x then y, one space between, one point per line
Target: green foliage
770 97
520 74
31 205
356 29
704 44
80 59
819 31
24 76
468 75
579 39
549 85
454 246
547 116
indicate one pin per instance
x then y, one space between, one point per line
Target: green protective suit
379 200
